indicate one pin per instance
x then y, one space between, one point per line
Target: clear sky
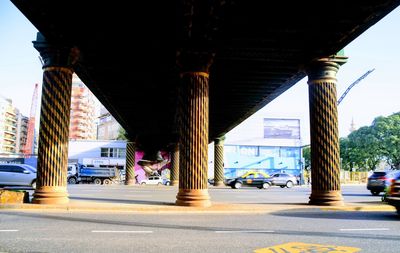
376 95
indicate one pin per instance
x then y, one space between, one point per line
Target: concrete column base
174 182
219 183
130 182
50 195
326 198
192 197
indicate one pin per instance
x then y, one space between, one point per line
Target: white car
157 180
17 175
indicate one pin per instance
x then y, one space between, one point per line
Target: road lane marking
363 229
9 230
243 231
122 231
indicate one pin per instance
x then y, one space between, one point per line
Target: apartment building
83 112
13 128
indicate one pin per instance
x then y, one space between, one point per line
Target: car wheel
265 185
289 184
97 181
71 180
237 185
33 184
375 193
143 183
167 183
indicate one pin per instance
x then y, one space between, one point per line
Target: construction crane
28 149
354 83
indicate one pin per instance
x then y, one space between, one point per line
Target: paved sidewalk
162 200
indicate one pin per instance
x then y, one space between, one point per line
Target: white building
264 144
98 153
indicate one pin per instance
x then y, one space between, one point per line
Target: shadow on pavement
129 224
338 214
122 201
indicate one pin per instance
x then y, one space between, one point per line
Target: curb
171 208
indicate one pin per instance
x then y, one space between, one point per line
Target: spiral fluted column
130 163
219 161
193 160
51 185
175 164
325 155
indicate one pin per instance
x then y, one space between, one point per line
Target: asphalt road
301 230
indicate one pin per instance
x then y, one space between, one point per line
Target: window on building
113 152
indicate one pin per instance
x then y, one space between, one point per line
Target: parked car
17 175
283 180
157 180
393 196
166 182
380 180
253 179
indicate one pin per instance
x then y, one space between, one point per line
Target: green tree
387 133
307 157
122 134
346 151
364 149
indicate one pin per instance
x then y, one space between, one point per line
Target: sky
377 95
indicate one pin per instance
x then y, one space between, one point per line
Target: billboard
281 128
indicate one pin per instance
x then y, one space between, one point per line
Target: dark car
253 180
282 180
380 180
393 197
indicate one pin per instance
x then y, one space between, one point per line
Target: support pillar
51 185
325 155
175 164
193 160
130 164
219 161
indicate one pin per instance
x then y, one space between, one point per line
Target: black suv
393 197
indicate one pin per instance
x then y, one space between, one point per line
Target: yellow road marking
299 247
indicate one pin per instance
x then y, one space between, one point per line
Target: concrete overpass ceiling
260 50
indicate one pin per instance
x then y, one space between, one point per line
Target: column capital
219 140
55 55
194 60
325 68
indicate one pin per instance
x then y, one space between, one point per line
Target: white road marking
122 231
363 229
9 230
243 231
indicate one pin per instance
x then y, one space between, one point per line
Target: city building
108 128
83 112
269 145
22 132
13 128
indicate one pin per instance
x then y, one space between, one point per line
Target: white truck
78 173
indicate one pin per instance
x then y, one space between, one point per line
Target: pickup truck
78 173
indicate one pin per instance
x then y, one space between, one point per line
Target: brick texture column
51 186
325 155
193 160
130 164
219 161
175 164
